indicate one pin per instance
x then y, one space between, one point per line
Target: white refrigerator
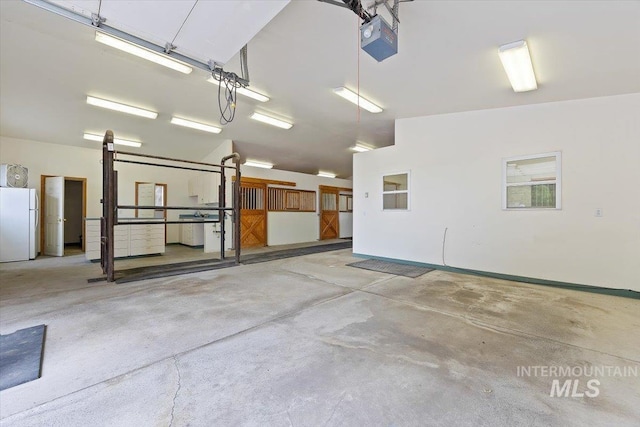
18 223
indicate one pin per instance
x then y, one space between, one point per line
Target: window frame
557 181
348 202
277 200
407 191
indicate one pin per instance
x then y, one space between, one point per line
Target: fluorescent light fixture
516 61
119 141
257 164
356 99
195 125
271 121
243 91
121 107
326 174
361 148
143 53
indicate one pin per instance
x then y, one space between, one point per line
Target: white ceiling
447 62
202 30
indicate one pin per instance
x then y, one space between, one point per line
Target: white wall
285 228
455 165
295 227
54 159
212 234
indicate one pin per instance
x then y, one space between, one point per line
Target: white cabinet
128 239
204 186
212 238
193 186
146 239
192 234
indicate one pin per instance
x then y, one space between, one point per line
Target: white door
54 216
146 197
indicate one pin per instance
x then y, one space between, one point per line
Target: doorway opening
253 214
336 212
63 207
152 194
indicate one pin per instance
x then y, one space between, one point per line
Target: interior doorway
63 207
152 194
253 214
329 221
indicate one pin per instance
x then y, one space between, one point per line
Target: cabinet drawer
147 250
147 242
120 244
91 228
93 246
91 254
120 252
121 231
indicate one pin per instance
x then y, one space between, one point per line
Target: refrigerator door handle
37 217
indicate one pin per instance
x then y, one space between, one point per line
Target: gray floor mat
21 356
391 267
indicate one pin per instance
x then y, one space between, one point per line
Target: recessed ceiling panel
217 30
84 7
154 21
202 30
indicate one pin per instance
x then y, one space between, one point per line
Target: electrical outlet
598 211
366 195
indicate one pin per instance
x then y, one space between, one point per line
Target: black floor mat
288 253
391 267
125 276
21 356
167 270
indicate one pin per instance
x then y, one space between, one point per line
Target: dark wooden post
108 207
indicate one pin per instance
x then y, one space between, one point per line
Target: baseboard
627 293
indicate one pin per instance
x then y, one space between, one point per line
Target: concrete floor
309 341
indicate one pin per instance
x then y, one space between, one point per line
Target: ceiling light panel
119 141
257 164
361 148
516 61
326 174
143 53
356 99
244 91
271 121
195 125
116 106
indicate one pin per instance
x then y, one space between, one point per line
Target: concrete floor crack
335 408
175 396
493 328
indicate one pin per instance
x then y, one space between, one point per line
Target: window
531 182
346 203
395 191
285 200
150 194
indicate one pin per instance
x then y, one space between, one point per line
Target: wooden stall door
253 215
329 224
